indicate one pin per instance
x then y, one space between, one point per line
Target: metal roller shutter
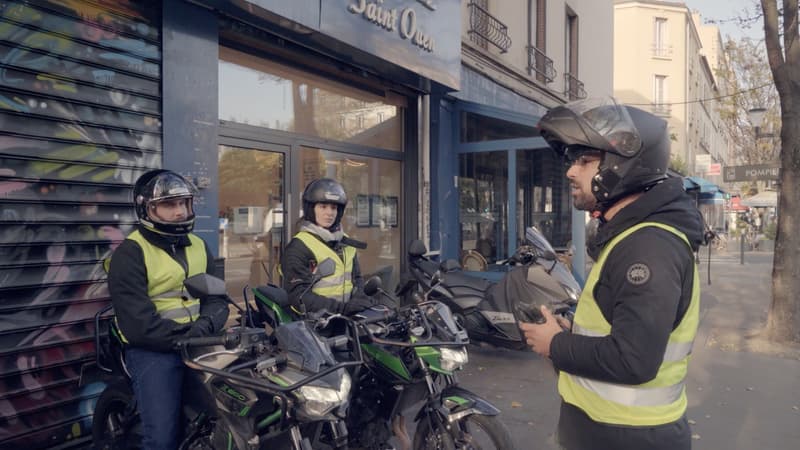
80 120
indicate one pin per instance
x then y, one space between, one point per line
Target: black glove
356 304
200 327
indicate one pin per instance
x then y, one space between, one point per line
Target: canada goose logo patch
638 274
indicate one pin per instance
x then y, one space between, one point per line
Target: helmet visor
612 122
169 187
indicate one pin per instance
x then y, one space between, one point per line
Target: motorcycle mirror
325 269
373 286
417 248
203 285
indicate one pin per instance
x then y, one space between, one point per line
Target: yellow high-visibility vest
659 401
339 285
165 278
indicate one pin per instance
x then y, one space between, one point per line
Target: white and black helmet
157 186
324 190
634 144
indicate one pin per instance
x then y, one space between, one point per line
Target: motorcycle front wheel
474 432
116 424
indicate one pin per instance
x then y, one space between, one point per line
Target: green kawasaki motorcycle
411 356
249 388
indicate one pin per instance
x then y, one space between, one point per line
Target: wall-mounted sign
751 172
423 36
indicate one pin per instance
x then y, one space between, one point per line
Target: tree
747 83
782 40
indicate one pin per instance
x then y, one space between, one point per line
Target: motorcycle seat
276 294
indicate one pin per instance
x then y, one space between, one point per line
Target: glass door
251 215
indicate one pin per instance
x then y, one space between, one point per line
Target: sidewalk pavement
744 393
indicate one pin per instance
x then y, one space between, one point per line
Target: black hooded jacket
642 316
136 313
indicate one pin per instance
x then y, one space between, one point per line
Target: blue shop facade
251 99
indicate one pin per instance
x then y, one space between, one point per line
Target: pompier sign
752 172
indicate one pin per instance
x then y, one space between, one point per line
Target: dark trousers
157 382
577 431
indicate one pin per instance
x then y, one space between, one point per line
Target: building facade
491 175
423 109
249 99
672 72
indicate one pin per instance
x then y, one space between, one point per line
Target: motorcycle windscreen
305 348
537 240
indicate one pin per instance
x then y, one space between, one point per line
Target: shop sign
423 36
402 20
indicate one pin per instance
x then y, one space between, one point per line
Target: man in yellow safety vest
152 309
623 361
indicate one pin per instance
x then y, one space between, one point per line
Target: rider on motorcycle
321 237
145 281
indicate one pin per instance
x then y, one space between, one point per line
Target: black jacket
641 314
297 263
135 312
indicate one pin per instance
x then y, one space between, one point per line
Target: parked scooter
489 310
249 388
411 358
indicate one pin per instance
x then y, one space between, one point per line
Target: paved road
737 399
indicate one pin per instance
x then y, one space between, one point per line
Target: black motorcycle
490 310
250 387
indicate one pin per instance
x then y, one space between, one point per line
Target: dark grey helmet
634 143
157 186
324 190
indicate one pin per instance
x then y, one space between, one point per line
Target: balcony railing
539 63
573 87
661 109
485 29
661 51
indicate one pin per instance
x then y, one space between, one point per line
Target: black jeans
577 431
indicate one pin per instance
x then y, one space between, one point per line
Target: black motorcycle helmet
324 190
159 185
634 144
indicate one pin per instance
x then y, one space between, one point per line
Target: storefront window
483 205
251 216
480 128
543 197
264 93
373 213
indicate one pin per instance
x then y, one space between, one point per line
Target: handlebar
229 340
264 362
425 341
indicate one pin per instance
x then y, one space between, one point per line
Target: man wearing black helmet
152 310
622 368
321 237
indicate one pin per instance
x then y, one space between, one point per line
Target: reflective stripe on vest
660 400
165 278
338 285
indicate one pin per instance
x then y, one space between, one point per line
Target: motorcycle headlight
317 401
453 359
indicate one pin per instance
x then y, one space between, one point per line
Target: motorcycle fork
298 441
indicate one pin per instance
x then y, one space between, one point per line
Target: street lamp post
756 116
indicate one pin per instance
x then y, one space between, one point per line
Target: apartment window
538 61
573 87
660 105
661 49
